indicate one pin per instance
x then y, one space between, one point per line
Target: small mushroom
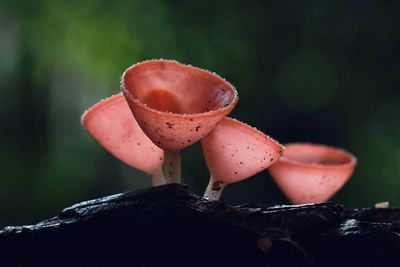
309 173
382 205
235 151
111 124
176 105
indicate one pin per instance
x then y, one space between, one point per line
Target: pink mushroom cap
111 124
235 151
310 173
176 105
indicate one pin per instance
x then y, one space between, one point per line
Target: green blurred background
317 71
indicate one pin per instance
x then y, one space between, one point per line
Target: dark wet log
167 226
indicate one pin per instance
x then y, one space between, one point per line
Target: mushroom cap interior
310 173
176 105
235 151
111 123
316 155
169 86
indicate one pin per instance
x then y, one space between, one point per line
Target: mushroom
235 151
382 205
176 105
111 124
309 173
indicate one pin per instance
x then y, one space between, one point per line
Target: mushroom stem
214 189
157 178
172 166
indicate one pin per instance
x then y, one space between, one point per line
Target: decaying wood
167 226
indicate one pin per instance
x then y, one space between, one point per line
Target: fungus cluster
166 106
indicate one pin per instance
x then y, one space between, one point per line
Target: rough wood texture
167 226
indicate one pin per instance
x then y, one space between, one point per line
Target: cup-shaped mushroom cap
235 151
309 173
176 105
111 124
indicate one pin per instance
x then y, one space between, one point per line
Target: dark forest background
316 71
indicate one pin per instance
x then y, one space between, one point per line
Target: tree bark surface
167 226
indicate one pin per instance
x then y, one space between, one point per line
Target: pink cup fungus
309 173
176 105
235 151
111 124
166 106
